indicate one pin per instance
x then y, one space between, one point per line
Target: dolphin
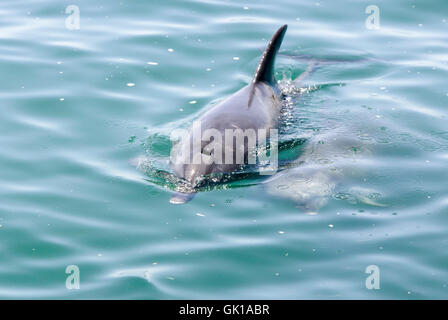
255 106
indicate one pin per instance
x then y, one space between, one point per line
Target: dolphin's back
234 111
254 107
265 70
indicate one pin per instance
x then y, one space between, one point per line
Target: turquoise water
77 105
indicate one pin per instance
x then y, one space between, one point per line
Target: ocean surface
82 97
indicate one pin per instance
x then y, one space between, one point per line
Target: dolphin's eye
207 151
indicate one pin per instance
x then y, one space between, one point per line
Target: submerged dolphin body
315 176
256 106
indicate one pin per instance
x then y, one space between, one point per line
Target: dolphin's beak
181 198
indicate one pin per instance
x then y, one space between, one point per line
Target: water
78 104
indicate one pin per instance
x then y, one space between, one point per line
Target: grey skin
256 106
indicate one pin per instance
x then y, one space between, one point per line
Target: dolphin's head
194 173
192 176
190 173
188 163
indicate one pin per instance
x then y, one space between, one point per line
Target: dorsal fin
265 70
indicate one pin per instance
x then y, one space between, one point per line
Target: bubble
341 196
374 195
